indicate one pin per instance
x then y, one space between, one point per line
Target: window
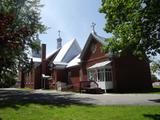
93 48
108 74
95 75
36 53
101 75
92 75
69 77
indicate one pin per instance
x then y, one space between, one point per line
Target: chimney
43 52
59 40
43 58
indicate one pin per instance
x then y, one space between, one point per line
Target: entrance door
105 78
108 78
101 78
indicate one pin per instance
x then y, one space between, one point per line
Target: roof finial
93 27
59 40
59 33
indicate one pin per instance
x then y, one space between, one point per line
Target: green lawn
76 112
156 90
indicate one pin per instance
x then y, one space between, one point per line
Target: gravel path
67 98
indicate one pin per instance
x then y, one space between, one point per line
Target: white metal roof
74 62
68 51
48 55
60 63
99 65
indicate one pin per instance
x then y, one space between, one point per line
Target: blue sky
73 18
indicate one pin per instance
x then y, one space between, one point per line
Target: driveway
67 98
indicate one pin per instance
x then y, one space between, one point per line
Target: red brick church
68 65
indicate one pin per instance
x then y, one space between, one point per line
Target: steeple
93 27
59 40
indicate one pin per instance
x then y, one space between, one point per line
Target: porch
102 74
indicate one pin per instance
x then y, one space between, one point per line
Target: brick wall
131 73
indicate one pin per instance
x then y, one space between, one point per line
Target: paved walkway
67 98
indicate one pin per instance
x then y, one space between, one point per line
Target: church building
68 65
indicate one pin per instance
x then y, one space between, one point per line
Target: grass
26 105
25 89
156 90
77 112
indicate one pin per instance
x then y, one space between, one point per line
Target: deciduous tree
135 25
19 27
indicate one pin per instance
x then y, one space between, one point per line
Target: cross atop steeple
59 40
59 33
93 27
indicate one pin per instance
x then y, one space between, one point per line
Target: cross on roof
59 33
93 26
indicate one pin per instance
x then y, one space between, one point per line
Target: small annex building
68 65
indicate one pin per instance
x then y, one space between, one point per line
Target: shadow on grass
152 116
17 98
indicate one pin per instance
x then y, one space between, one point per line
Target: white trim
101 65
60 65
104 76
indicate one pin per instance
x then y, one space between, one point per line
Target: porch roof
101 64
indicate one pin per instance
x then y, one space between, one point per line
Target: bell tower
59 40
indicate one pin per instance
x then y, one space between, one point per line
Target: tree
154 78
155 66
19 27
135 25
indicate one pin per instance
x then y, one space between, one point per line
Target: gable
93 47
94 51
92 37
68 52
72 52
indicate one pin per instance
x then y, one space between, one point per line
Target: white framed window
92 74
104 74
108 74
101 75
